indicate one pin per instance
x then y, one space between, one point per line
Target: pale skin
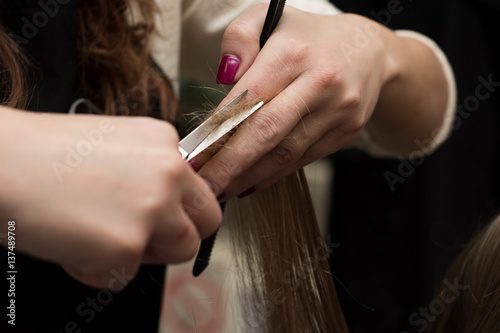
134 200
320 97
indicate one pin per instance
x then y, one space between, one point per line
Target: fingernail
227 69
246 193
221 197
196 167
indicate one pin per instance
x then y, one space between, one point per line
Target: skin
319 96
132 200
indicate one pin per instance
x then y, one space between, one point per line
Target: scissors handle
273 16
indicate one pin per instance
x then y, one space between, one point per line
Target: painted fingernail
227 69
195 165
221 197
246 193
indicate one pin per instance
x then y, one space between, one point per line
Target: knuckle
221 175
160 192
240 32
186 239
127 247
153 206
295 50
355 125
224 167
351 101
157 131
285 154
308 157
175 169
328 77
266 127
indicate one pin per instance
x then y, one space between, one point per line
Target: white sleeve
204 22
440 134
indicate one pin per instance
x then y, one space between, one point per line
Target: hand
322 78
97 194
318 98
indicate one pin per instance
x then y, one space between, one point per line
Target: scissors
210 131
216 126
193 141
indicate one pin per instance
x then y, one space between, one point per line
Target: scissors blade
227 126
193 139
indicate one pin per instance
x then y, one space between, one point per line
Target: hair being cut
282 256
284 277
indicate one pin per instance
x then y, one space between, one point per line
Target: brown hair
13 84
114 66
477 270
283 257
284 277
284 261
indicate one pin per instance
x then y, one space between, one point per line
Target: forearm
11 121
414 102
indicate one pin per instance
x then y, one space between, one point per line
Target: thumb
240 44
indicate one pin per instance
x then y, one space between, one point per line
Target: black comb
203 257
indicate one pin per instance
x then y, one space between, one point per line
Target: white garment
189 39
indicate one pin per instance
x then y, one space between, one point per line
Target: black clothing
396 246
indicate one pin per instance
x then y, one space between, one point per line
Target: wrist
394 60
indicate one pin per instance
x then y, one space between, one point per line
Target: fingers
173 241
272 70
240 44
269 126
315 136
257 136
200 205
331 142
195 216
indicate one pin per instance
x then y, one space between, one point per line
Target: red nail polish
194 165
227 69
246 193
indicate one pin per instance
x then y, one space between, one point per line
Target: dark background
397 245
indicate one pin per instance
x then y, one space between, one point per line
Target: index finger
262 131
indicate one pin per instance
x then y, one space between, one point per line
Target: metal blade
224 128
193 139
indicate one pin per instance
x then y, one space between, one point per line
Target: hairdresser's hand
321 77
97 194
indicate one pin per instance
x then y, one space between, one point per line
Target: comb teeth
203 257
